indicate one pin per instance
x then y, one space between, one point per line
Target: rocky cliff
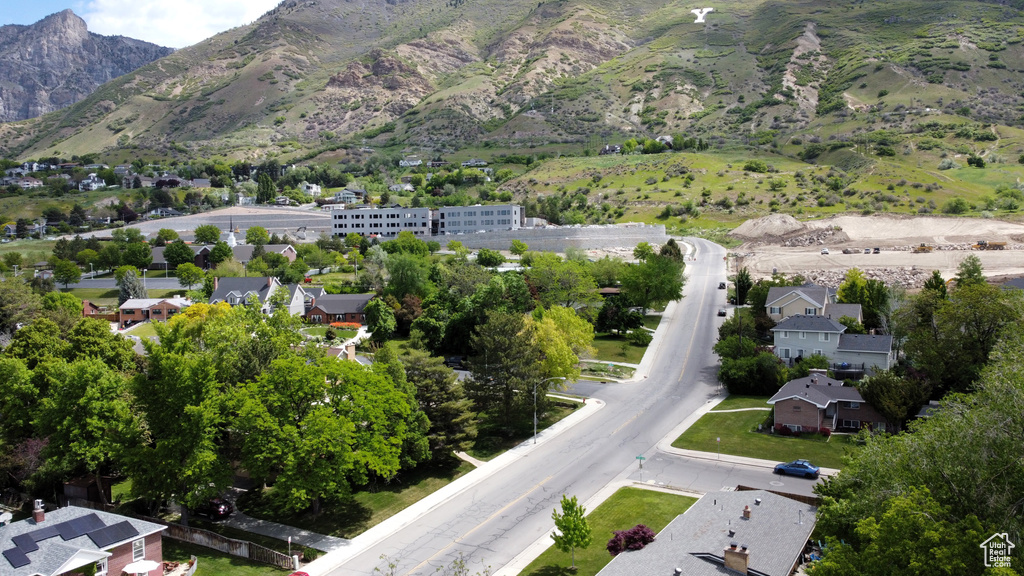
57 62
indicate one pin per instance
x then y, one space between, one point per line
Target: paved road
496 519
110 283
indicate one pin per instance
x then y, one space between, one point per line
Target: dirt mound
774 225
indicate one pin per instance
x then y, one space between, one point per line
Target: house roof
837 311
818 390
158 252
865 343
243 252
1017 283
695 540
67 534
343 303
144 303
802 323
241 287
819 295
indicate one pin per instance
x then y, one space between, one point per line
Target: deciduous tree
178 253
207 234
66 272
573 530
189 275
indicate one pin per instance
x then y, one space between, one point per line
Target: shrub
755 166
948 164
785 431
633 539
639 337
976 161
348 268
825 432
310 554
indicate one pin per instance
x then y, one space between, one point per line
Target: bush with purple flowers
633 539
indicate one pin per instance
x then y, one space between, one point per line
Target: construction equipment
986 245
923 249
301 233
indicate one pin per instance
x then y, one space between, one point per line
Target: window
139 549
796 408
774 310
880 426
818 352
851 423
810 311
803 335
784 333
784 352
156 311
794 427
852 405
101 567
824 337
127 311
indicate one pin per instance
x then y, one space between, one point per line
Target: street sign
641 458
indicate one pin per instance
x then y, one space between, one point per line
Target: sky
173 23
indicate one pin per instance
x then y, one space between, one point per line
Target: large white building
478 218
447 221
367 221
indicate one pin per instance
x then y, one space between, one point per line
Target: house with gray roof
243 252
69 540
800 336
752 532
201 251
330 308
817 401
236 291
808 300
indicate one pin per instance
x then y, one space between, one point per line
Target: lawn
625 509
366 509
609 348
652 322
491 440
145 330
598 371
321 331
108 297
213 563
736 429
738 402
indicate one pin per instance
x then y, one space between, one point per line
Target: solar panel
112 534
44 533
75 527
25 543
16 557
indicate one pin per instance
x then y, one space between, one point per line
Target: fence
240 548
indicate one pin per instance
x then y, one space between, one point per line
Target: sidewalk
299 536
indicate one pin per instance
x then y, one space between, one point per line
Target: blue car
798 468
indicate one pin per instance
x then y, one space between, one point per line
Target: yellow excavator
923 249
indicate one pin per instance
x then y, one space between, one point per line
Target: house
11 229
136 310
753 532
243 252
854 354
200 182
78 540
349 196
202 257
128 181
237 291
438 163
170 181
1014 283
474 163
91 182
401 188
282 201
313 190
339 308
410 162
610 149
817 401
809 300
122 169
28 182
162 212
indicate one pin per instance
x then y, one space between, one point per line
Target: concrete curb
338 556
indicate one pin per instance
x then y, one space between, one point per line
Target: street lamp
91 273
535 403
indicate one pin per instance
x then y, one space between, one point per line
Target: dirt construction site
909 247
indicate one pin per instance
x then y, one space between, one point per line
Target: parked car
721 285
722 312
215 509
798 468
877 251
457 362
824 250
867 250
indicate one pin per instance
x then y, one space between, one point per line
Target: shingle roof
695 540
241 287
243 252
819 295
837 311
343 303
158 252
865 343
818 390
148 302
1014 283
802 323
53 550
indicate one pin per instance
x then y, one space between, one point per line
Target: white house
410 162
313 190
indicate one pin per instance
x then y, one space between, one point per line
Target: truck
923 249
986 245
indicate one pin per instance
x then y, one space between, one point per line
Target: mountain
57 62
435 76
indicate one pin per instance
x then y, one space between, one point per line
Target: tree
671 250
220 253
654 282
92 338
86 257
560 282
969 272
407 274
178 253
63 302
643 251
207 234
894 397
189 275
759 375
562 337
109 257
573 530
257 235
19 399
129 287
163 236
66 272
518 247
442 398
852 325
936 284
138 255
265 189
505 367
743 285
406 243
86 416
380 320
489 258
37 342
128 236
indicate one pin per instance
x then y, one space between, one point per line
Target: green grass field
736 429
738 402
108 297
609 348
214 563
625 509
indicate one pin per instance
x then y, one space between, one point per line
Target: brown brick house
68 540
817 402
138 310
339 308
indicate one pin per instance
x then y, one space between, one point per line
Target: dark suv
457 362
215 509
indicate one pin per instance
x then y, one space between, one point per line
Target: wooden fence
240 548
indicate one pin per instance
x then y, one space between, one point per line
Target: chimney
39 512
216 281
270 281
85 307
350 352
757 501
737 560
746 512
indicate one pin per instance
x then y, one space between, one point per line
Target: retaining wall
558 239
